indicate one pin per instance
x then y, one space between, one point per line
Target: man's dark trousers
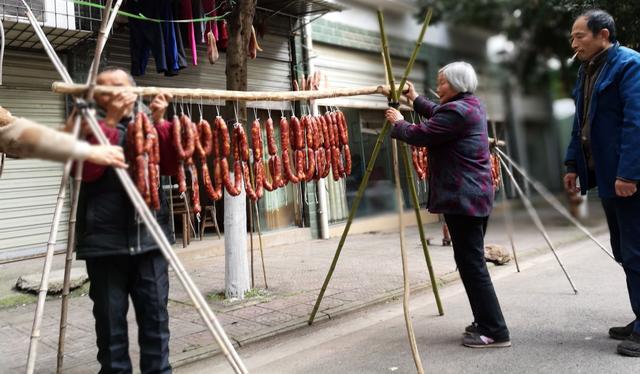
623 217
467 237
145 278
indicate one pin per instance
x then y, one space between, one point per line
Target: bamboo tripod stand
365 179
200 304
83 94
507 164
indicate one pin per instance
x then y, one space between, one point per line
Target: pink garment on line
187 13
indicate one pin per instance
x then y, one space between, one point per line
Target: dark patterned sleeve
424 106
444 126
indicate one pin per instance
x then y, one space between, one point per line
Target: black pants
467 236
145 278
623 218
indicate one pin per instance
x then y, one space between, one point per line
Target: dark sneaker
471 329
621 333
631 346
475 340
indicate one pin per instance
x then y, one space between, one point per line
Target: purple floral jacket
459 164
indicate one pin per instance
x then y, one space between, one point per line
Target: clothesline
142 17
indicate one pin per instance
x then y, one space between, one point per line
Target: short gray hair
461 76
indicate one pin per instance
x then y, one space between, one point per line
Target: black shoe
471 329
475 340
631 346
621 333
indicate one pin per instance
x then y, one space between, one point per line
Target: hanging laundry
197 10
170 42
147 38
186 12
182 56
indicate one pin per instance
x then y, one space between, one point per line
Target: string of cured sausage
309 149
143 147
184 143
233 187
420 162
258 167
495 171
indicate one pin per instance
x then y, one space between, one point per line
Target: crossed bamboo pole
536 220
508 218
415 353
156 232
553 201
106 25
365 179
51 242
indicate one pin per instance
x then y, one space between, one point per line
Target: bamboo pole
105 27
395 97
508 218
264 270
548 196
199 93
108 18
253 280
536 220
2 158
257 223
423 238
365 179
71 243
396 173
44 282
405 266
156 232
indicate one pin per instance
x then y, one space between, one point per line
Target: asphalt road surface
552 330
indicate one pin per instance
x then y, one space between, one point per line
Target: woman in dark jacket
460 187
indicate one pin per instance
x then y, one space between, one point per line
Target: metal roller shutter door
351 68
28 188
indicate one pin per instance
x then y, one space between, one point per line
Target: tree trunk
239 22
235 217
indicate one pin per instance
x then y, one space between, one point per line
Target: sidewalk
369 271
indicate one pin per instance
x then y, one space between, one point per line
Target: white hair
461 76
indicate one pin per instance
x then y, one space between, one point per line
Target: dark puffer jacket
107 221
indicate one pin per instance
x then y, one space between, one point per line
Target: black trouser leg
109 292
150 293
623 218
467 236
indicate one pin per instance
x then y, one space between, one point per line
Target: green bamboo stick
387 59
423 239
365 179
395 97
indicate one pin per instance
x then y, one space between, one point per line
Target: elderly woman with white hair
460 187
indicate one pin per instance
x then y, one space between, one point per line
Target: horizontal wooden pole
199 93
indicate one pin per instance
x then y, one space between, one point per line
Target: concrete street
368 274
553 330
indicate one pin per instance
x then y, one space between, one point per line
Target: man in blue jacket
605 147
